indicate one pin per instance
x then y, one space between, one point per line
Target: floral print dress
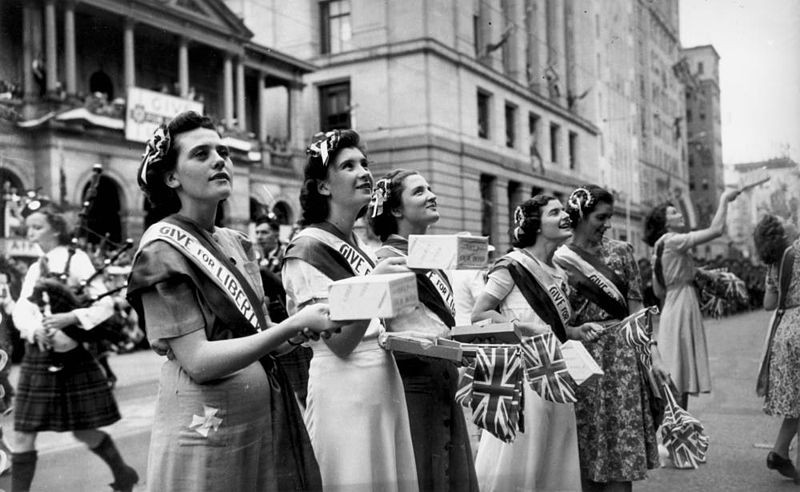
783 393
616 429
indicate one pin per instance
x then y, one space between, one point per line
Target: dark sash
543 295
784 279
433 286
322 247
595 280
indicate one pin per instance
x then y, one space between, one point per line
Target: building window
555 135
688 115
534 122
334 106
511 125
484 100
700 67
477 34
487 205
335 26
573 150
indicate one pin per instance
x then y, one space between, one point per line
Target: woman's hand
531 329
59 321
660 371
316 322
587 332
729 195
393 264
42 337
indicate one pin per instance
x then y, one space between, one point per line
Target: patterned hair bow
156 149
379 196
579 200
519 218
323 145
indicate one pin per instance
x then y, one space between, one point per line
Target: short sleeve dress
356 411
230 434
616 430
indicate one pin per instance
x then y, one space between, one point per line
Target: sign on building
148 109
19 248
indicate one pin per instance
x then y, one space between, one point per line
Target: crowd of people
261 390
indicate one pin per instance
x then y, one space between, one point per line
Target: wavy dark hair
316 207
163 198
385 224
655 225
770 239
585 207
526 232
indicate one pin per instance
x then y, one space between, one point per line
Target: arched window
101 82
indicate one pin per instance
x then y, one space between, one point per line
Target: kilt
77 397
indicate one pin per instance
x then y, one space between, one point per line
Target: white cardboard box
580 363
447 252
372 296
427 348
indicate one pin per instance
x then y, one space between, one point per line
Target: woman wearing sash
616 428
356 412
404 204
680 333
225 416
531 290
61 386
779 381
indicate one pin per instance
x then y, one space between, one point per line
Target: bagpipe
53 292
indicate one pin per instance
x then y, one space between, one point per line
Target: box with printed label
424 347
486 333
580 363
447 252
372 296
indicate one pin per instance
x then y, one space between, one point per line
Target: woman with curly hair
527 287
356 410
779 378
404 204
616 428
225 418
680 333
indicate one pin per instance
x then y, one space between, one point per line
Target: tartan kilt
78 397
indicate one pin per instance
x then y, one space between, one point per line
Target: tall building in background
492 101
660 108
704 125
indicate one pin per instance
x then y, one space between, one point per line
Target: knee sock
107 451
23 466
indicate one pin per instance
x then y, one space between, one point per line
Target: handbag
785 276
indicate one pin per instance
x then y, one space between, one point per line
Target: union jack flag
492 387
636 330
683 435
546 369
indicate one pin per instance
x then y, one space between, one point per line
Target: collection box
580 363
447 252
372 296
486 333
423 347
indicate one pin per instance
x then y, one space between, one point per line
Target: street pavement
740 434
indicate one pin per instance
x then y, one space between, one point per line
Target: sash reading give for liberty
217 268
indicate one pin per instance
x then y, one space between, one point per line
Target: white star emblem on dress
208 421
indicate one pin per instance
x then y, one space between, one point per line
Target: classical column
27 51
51 75
129 54
241 117
69 47
227 90
537 44
556 55
262 107
294 125
183 66
570 49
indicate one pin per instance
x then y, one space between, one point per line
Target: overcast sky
759 46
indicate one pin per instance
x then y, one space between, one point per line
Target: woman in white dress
356 411
545 455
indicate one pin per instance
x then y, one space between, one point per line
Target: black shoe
782 465
126 483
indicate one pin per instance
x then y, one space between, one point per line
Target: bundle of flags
682 435
720 291
492 384
636 330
